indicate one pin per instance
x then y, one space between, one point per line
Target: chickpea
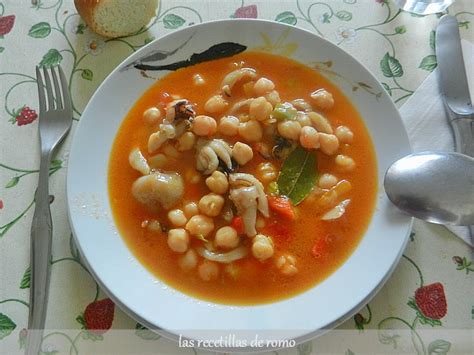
287 264
244 118
303 119
192 176
323 99
186 141
232 270
264 150
208 270
326 181
262 247
345 163
198 79
200 224
329 143
285 259
273 97
302 105
217 182
289 129
248 88
320 123
177 217
270 130
153 226
189 260
168 130
260 223
158 161
344 134
178 240
191 209
226 238
251 131
260 109
242 153
263 86
309 138
211 204
152 115
266 172
229 125
289 270
171 151
204 125
216 104
328 199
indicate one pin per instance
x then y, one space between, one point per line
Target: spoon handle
464 135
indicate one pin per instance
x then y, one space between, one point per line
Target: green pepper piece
284 111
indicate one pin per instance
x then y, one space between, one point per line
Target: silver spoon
433 186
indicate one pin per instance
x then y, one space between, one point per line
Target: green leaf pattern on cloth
50 59
287 17
390 66
40 30
6 326
429 63
172 21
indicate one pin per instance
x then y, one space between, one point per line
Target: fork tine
66 97
59 102
39 82
49 90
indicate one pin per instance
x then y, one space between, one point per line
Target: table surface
435 264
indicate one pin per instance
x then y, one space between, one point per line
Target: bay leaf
298 175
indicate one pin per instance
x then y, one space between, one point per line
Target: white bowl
155 304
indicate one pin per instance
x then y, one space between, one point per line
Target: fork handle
41 240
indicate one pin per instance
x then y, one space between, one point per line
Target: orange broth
256 282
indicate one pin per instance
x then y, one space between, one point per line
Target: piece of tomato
322 247
238 224
282 205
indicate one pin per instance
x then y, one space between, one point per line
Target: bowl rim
307 335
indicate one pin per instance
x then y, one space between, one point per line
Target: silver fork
55 120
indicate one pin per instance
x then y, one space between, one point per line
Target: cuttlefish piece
237 75
180 109
138 161
223 151
239 106
166 131
209 153
245 200
206 160
237 180
159 189
156 140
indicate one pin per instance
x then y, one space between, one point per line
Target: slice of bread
116 18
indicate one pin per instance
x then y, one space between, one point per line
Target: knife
453 83
454 86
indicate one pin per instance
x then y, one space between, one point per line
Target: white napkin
426 121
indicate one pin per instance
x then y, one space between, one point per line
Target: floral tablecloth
432 288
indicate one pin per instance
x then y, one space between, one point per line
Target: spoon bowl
433 186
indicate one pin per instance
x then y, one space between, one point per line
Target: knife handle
41 239
463 128
464 134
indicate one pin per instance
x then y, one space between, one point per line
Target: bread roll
116 18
